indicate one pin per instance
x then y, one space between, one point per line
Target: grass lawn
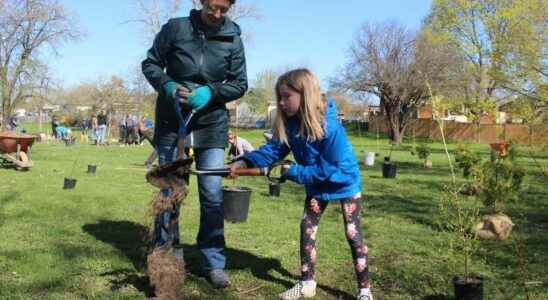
89 242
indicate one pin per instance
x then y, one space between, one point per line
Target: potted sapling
388 167
423 152
458 217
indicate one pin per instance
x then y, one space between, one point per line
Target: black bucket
236 203
388 170
92 169
69 183
468 290
274 188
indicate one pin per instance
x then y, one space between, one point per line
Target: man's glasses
216 7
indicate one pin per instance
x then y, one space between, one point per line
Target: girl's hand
239 164
285 169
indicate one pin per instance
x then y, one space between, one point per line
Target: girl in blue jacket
306 124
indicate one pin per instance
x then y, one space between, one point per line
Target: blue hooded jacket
328 167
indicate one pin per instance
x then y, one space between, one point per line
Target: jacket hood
331 110
227 28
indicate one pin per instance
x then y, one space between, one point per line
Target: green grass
88 243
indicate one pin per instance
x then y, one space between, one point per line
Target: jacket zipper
201 36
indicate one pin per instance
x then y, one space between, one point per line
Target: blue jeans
210 239
166 231
101 134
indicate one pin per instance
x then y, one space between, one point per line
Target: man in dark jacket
198 63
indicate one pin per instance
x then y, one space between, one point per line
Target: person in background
238 146
101 128
146 132
84 129
13 123
122 132
54 124
197 63
131 130
306 125
94 128
63 133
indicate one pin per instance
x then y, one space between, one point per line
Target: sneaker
299 291
364 296
219 278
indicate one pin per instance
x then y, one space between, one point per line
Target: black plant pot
388 170
274 188
92 169
468 290
69 183
236 203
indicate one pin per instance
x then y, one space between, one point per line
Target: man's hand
200 97
176 92
182 95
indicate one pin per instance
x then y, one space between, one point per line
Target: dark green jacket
190 53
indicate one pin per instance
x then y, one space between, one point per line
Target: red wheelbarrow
15 149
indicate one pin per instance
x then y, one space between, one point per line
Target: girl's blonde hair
312 108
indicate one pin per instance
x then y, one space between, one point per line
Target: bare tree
262 94
27 27
140 90
393 63
152 14
40 91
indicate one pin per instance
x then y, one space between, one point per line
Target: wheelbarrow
15 149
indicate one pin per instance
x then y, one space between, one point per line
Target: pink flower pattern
361 264
350 209
351 230
315 206
309 225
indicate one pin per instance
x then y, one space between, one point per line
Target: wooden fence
484 133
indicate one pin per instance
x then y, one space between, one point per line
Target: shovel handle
251 172
226 172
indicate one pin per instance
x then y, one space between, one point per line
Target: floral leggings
313 210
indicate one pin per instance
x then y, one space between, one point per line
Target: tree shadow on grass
418 210
129 238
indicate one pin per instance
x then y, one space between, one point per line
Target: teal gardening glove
170 88
200 97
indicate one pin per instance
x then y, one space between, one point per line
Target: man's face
214 11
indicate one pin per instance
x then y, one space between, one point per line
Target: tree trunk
6 108
397 136
396 130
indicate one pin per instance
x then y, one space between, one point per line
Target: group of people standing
197 64
133 130
95 127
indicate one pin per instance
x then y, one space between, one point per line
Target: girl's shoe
364 296
299 291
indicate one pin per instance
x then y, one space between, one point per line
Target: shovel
224 172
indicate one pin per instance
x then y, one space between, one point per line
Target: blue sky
292 33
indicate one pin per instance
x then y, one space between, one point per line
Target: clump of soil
166 274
